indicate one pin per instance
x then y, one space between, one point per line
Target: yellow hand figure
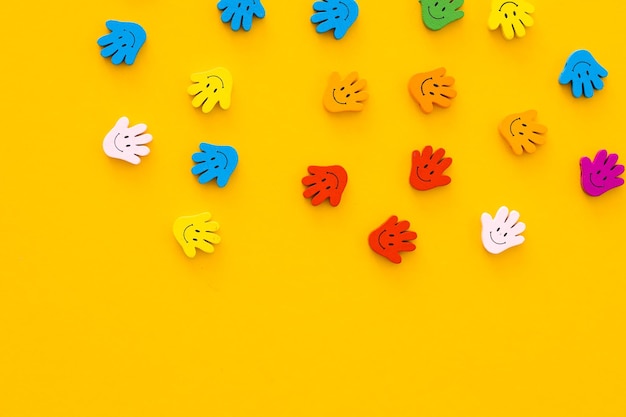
211 87
514 16
522 132
345 95
196 232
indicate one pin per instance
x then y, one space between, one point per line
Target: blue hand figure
124 41
240 12
584 72
334 14
214 162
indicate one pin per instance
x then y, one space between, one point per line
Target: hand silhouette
196 232
602 174
125 143
584 72
123 43
438 13
427 169
325 182
334 14
503 231
521 132
432 87
211 87
240 12
214 162
391 238
345 95
514 16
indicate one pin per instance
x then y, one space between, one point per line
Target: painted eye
598 172
506 16
505 235
498 229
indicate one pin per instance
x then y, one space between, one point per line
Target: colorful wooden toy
521 132
325 182
432 87
391 238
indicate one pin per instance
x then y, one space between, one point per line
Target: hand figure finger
445 81
199 99
235 22
617 170
438 155
137 129
494 20
319 17
447 92
320 6
210 226
519 28
485 219
406 246
361 96
587 88
222 4
516 240
427 152
259 10
122 123
526 19
141 150
529 146
118 57
441 100
106 40
600 157
501 215
597 82
109 50
538 128
133 159
228 14
536 139
408 235
359 85
577 88
309 180
443 164
600 70
143 139
611 160
208 105
508 31
325 26
512 218
312 190
352 78
402 226
246 21
204 245
206 175
518 228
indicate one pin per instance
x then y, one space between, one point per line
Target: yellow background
102 314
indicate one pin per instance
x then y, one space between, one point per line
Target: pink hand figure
602 174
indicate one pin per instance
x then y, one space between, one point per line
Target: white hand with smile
503 231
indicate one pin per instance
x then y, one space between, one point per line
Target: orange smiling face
433 87
345 95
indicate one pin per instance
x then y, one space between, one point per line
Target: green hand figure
438 13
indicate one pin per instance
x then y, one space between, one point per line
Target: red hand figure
391 238
427 169
325 182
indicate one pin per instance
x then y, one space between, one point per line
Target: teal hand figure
123 43
337 15
240 12
214 161
438 13
584 72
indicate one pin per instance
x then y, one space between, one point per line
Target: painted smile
379 236
431 15
511 126
184 231
334 98
497 243
422 86
592 183
417 172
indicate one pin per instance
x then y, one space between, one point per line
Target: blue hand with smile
214 161
584 72
123 43
337 15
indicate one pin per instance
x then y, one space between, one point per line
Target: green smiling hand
438 13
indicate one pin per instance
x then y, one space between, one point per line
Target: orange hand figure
391 238
325 183
432 87
427 169
522 132
345 95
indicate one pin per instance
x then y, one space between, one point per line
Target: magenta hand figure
602 174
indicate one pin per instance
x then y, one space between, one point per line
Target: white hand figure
124 142
503 231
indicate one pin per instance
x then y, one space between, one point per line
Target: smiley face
513 16
432 87
211 87
503 231
196 232
438 13
522 132
345 95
